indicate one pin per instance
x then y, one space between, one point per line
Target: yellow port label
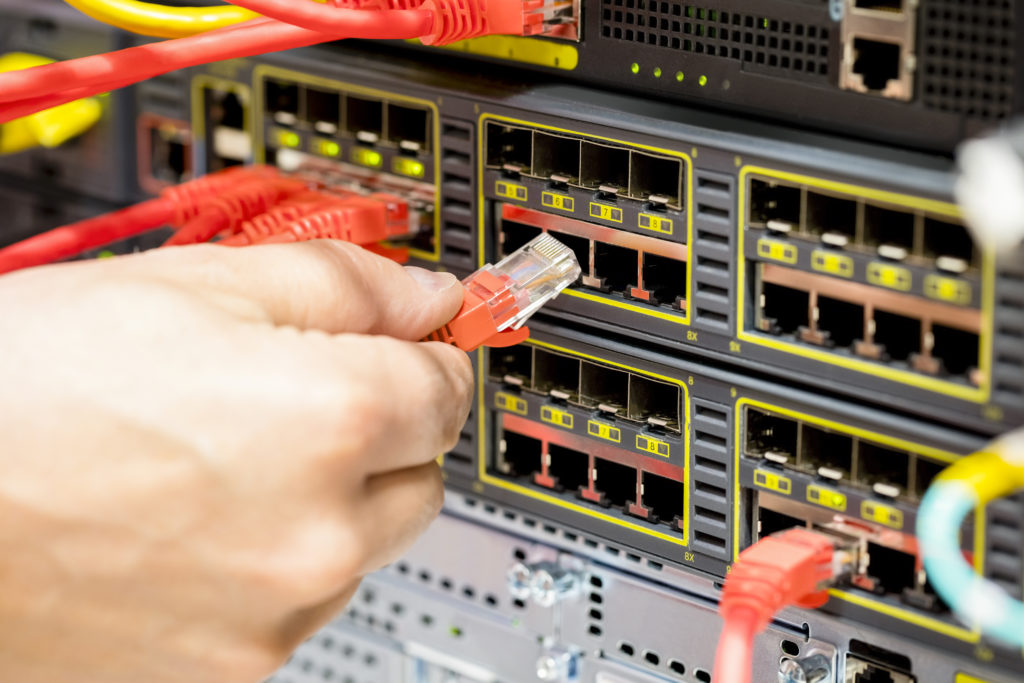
604 431
826 497
653 446
605 212
408 167
367 157
777 251
287 138
562 202
881 514
650 221
832 263
773 482
510 402
509 190
557 417
327 148
887 275
947 289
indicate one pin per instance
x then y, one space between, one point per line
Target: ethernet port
877 670
515 235
650 398
580 247
833 216
364 119
888 227
617 482
323 110
282 101
409 126
770 434
665 279
771 522
949 243
617 267
664 497
514 362
603 386
568 468
898 335
651 175
604 165
892 570
228 141
775 204
925 472
879 465
556 155
876 62
783 310
520 455
170 154
842 321
553 372
956 349
509 145
821 449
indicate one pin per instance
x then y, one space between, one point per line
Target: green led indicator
106 253
657 72
367 157
764 23
680 76
329 148
703 81
635 68
455 632
289 139
409 167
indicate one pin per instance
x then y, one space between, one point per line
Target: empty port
843 321
925 472
656 175
899 336
665 279
225 109
773 203
827 214
552 371
409 125
323 110
956 349
228 141
520 455
556 155
948 241
820 448
880 465
770 522
568 468
617 267
876 63
649 398
509 145
880 5
600 385
770 434
364 116
617 482
603 165
515 235
893 570
783 310
888 227
514 361
580 247
282 100
664 497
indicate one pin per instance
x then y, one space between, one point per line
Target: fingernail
431 281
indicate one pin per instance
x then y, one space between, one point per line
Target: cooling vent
711 251
710 477
967 57
1008 367
758 42
1005 537
458 190
334 656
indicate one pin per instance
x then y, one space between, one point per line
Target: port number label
604 431
605 212
831 263
649 221
947 289
510 190
893 277
826 497
556 417
689 557
773 482
562 202
881 514
777 251
651 445
509 402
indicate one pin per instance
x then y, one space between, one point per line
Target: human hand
203 449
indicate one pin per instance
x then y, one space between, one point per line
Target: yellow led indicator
947 289
649 444
634 67
882 514
408 167
680 76
893 277
509 190
510 402
367 157
106 253
703 80
832 263
826 497
657 72
553 200
605 212
964 678
773 482
604 431
777 251
328 148
650 221
287 138
557 417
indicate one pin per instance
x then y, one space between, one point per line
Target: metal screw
557 664
519 578
813 669
550 583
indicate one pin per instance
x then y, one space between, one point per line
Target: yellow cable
160 21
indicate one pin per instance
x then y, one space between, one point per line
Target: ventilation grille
712 254
1008 367
458 190
763 43
967 57
333 655
1005 537
710 476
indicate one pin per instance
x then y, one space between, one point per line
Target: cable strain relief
456 20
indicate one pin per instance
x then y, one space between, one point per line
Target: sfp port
617 482
665 279
783 310
515 235
554 155
509 145
925 472
658 176
520 455
826 453
604 388
880 466
889 228
617 267
949 244
556 375
774 206
364 119
568 468
771 436
513 363
604 166
653 402
664 497
281 101
323 110
832 216
409 127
